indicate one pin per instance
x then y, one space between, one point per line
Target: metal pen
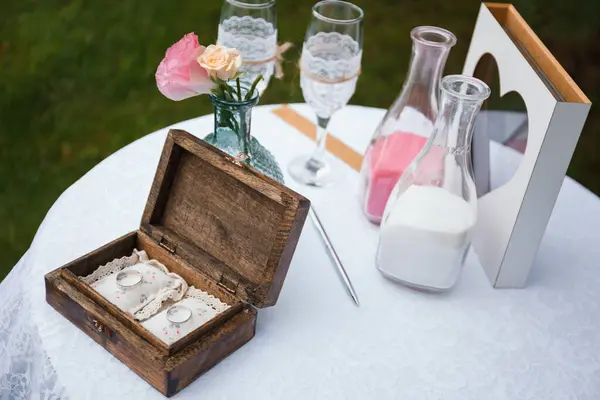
332 253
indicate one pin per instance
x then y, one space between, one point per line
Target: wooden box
222 226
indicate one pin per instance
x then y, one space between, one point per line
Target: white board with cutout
513 217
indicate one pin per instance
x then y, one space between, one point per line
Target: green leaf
230 91
235 127
253 87
220 92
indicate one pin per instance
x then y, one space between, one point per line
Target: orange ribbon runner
334 145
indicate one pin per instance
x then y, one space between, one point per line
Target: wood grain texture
223 217
512 22
214 211
283 249
120 247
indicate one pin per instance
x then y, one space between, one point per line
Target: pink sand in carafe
387 159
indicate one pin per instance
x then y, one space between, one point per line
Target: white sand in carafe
425 237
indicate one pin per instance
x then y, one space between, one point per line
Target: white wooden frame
513 217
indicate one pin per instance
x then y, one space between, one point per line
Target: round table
474 342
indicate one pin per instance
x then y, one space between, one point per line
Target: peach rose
220 62
179 76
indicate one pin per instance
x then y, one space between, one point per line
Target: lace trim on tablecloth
208 299
25 370
254 38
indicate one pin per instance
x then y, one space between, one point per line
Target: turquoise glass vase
232 135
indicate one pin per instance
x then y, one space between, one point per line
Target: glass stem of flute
321 138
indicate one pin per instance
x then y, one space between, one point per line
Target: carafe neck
431 47
460 101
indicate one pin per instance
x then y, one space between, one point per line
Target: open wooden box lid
238 227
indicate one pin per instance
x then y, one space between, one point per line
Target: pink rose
179 76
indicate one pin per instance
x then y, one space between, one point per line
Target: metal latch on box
228 284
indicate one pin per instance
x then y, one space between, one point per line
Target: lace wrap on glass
331 56
256 40
330 66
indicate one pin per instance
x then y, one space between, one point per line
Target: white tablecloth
472 343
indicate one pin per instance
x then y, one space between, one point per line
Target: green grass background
77 80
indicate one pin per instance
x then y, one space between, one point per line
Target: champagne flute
330 65
251 27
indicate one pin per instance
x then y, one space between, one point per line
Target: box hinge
228 284
168 245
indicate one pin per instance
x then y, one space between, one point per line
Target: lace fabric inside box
156 292
144 296
203 307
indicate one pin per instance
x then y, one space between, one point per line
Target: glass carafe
429 217
408 123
